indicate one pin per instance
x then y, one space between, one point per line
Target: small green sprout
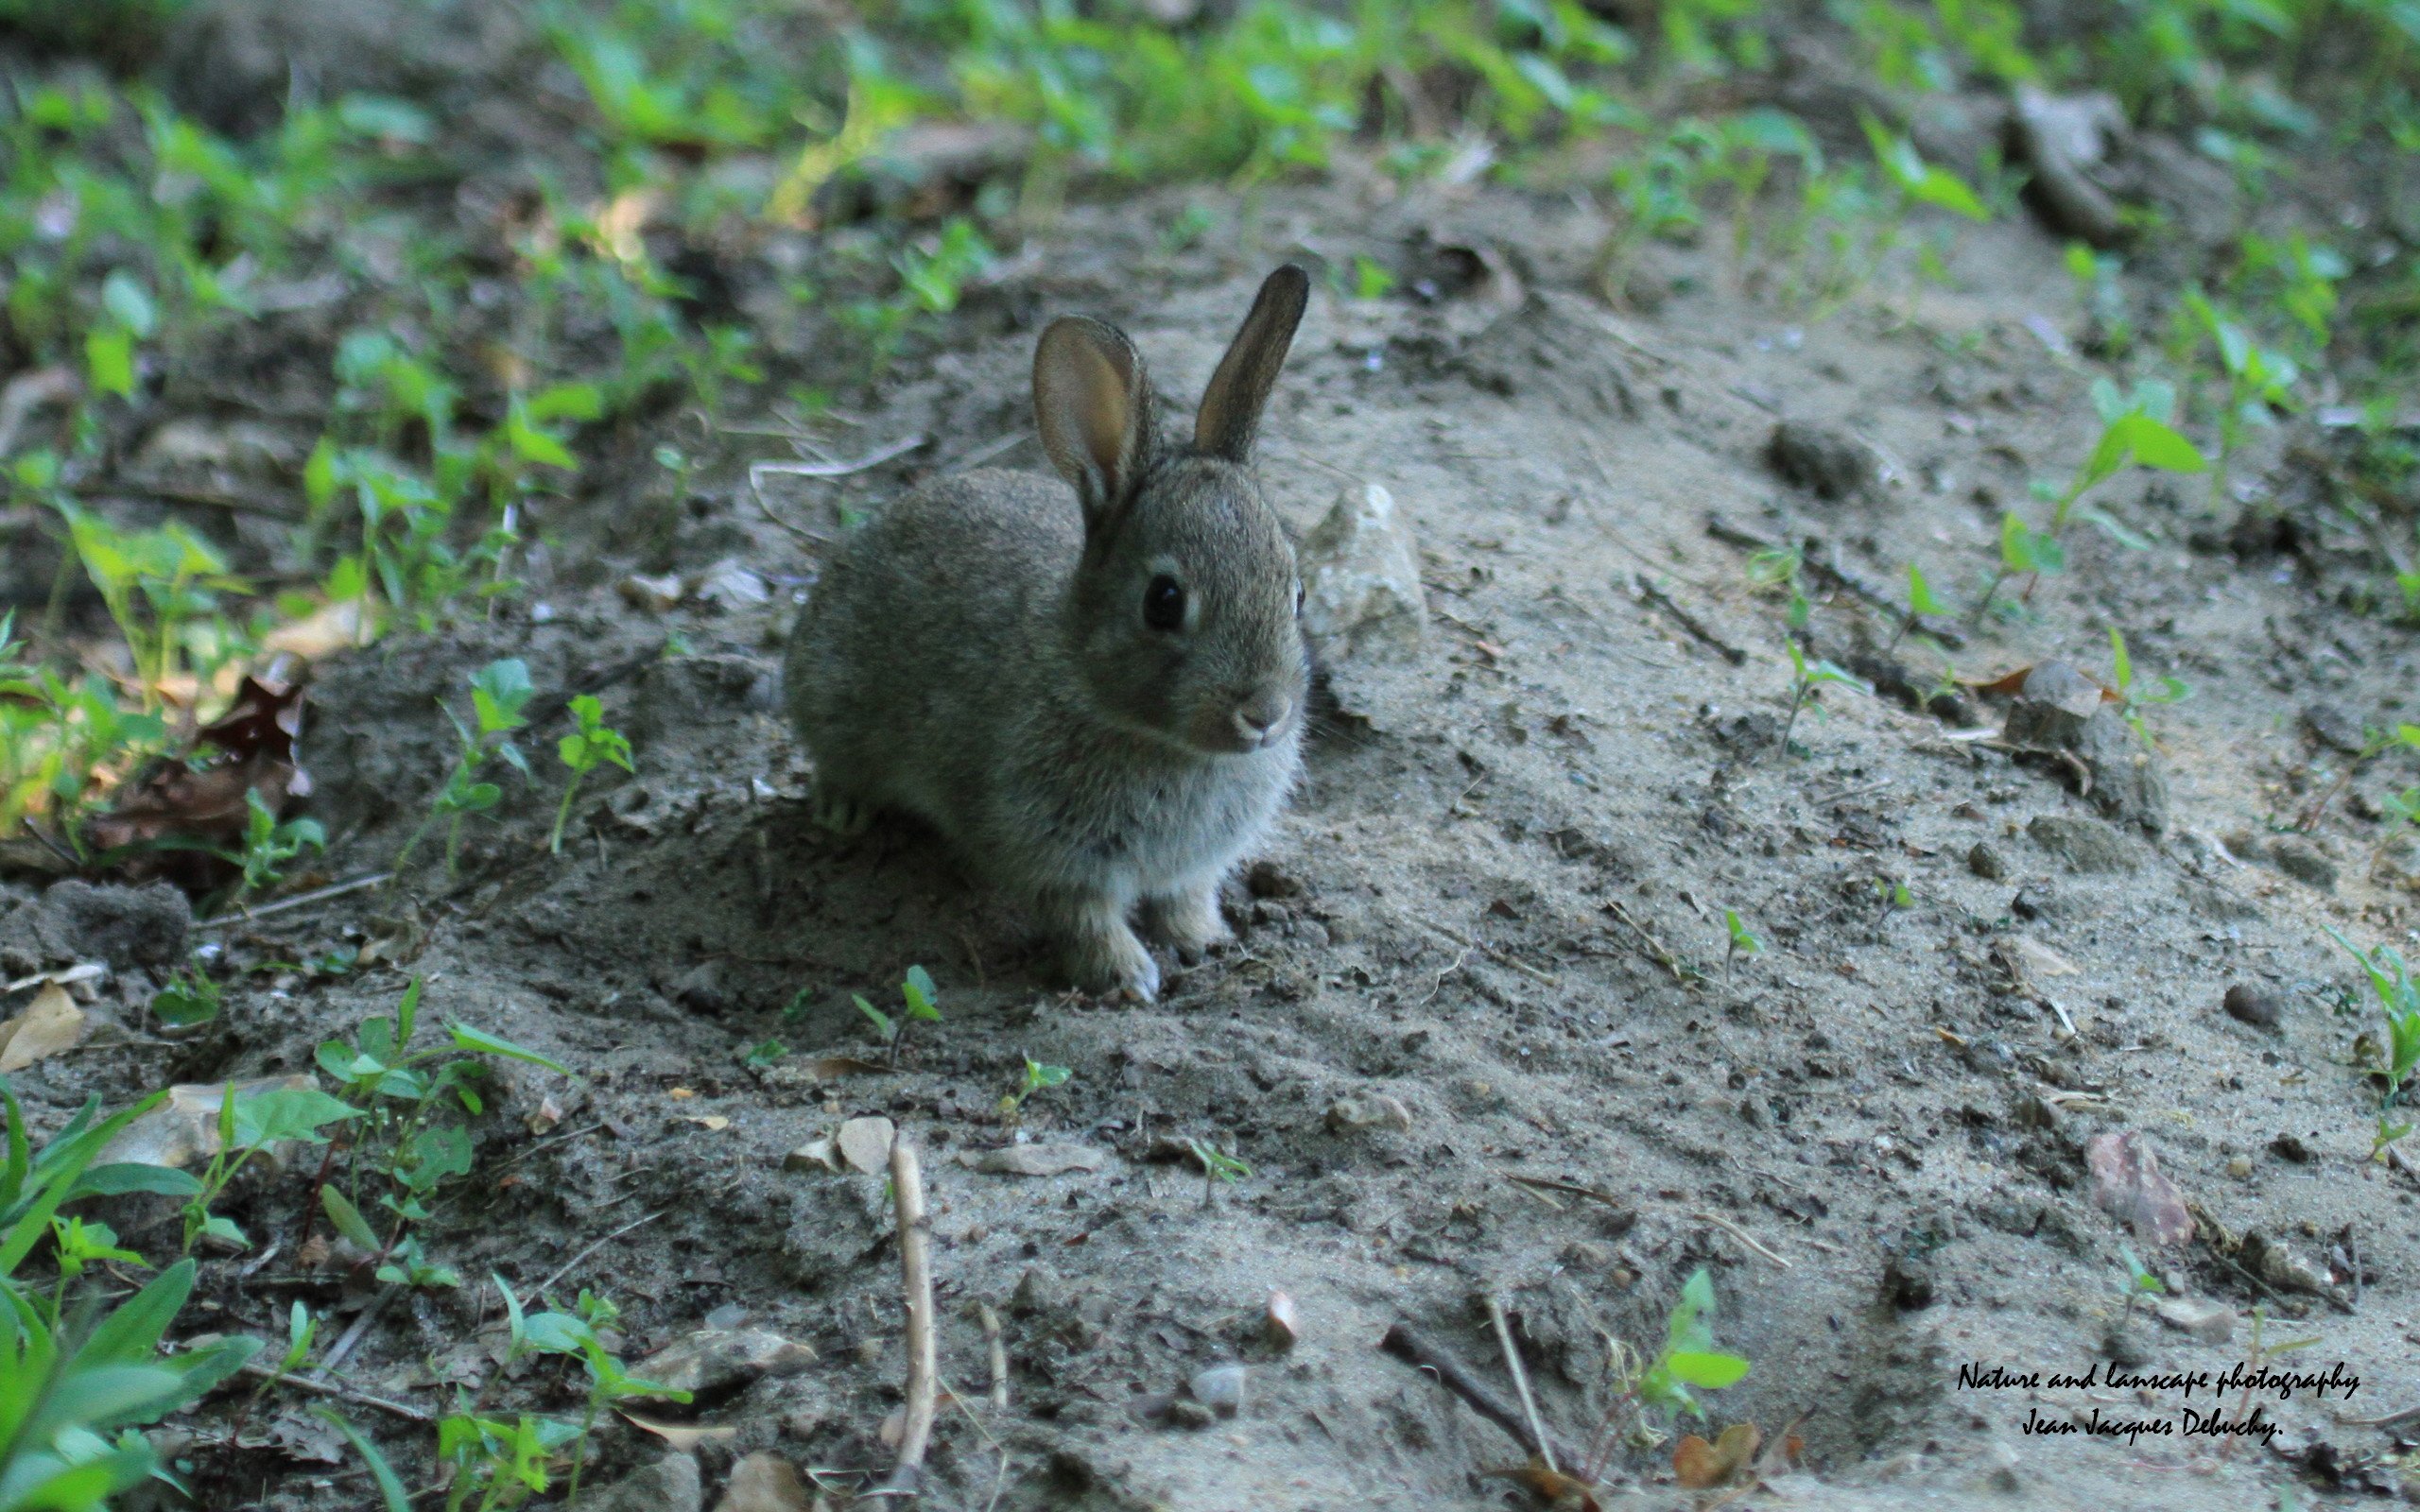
2141 1281
1743 942
763 1054
2131 700
593 743
270 843
190 998
1921 603
918 992
1217 1167
1804 677
1037 1078
2400 1001
498 693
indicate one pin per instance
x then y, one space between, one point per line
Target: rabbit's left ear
1230 406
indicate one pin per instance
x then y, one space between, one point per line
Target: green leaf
287 1114
1946 190
130 304
1920 599
390 1490
467 1037
122 1178
2122 665
1706 1370
2159 446
348 1219
108 361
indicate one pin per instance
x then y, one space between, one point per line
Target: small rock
1033 1160
727 585
2033 901
865 1144
2246 1003
2240 1166
1184 1412
2067 141
2061 709
764 1482
1908 1282
184 1128
2085 845
656 595
2280 1266
2396 862
1833 463
1266 879
1039 1290
2290 1148
817 1154
2125 1347
2303 862
1363 606
700 990
75 921
2331 726
1279 1324
1348 1115
669 1484
710 1361
2127 1183
2005 1475
2210 1322
1361 578
1986 862
1221 1388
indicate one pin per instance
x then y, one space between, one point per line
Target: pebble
2255 1005
1221 1388
1280 1324
1986 862
2085 844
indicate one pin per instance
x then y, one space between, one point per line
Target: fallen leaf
817 1154
52 1023
2127 1183
1282 1325
679 1094
174 798
341 626
1552 1488
185 1127
762 1483
865 1144
1032 1159
2039 959
1700 1466
684 1436
711 1123
832 1068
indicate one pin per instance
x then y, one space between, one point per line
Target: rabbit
1095 692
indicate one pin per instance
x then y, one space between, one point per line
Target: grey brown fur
979 656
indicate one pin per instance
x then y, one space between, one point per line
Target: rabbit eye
1163 604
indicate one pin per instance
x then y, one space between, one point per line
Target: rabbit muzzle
1260 719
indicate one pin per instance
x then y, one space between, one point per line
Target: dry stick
1690 622
1407 1343
1492 953
758 471
300 900
353 1335
916 1279
1521 1382
330 1388
998 1353
1830 572
565 1269
1740 1234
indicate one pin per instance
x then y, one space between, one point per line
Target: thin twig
565 1269
331 1389
997 1351
1854 792
1000 446
758 471
1573 1187
1407 1343
1690 622
1491 954
2393 1419
353 1335
1521 1382
1663 954
1742 1234
916 1280
299 901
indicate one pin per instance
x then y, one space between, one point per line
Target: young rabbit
1097 698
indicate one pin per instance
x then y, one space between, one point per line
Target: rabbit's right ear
1092 406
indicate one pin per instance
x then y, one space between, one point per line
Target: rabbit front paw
844 814
1188 922
1103 956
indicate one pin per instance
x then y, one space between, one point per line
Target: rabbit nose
1258 717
